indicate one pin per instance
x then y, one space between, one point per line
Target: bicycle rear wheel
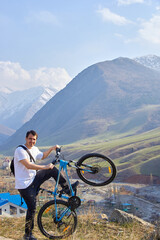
96 169
56 229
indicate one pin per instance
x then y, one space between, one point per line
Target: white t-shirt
23 176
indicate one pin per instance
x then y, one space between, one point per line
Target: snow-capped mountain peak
151 61
18 107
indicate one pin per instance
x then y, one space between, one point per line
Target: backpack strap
25 148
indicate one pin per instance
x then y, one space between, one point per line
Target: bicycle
57 218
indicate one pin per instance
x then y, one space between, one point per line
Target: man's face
30 141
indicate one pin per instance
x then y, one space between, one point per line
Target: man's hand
50 166
55 147
46 153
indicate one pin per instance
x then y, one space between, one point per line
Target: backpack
12 161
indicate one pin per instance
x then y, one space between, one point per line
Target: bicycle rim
96 169
47 223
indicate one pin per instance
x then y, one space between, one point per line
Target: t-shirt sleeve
39 155
21 154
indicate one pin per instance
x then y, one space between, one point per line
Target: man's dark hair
31 132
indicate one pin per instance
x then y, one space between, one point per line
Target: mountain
108 98
18 107
5 133
151 61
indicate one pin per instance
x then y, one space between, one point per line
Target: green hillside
138 154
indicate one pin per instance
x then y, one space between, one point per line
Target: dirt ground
138 199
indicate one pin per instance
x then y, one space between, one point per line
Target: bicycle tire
104 170
47 224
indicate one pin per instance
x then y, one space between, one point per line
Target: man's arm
32 166
46 153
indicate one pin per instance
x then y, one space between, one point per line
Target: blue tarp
15 199
2 202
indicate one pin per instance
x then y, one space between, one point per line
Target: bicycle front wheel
96 169
57 227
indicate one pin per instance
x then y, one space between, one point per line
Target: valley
141 200
136 157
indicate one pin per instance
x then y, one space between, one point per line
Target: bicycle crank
74 202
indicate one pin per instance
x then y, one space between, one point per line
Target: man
29 176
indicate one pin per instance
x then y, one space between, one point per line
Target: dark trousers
29 194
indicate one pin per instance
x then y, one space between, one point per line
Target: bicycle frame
63 165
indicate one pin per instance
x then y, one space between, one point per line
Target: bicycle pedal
67 190
75 185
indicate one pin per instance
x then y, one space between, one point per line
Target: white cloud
150 30
45 17
13 76
128 2
53 77
109 16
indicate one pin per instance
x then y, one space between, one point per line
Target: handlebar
54 161
58 151
57 157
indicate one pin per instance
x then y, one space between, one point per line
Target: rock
123 218
104 216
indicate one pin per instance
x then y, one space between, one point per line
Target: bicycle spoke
61 226
96 169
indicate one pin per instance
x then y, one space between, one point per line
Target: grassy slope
139 153
88 228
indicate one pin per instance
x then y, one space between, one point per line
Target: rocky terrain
141 200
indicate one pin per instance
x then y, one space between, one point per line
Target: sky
49 42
